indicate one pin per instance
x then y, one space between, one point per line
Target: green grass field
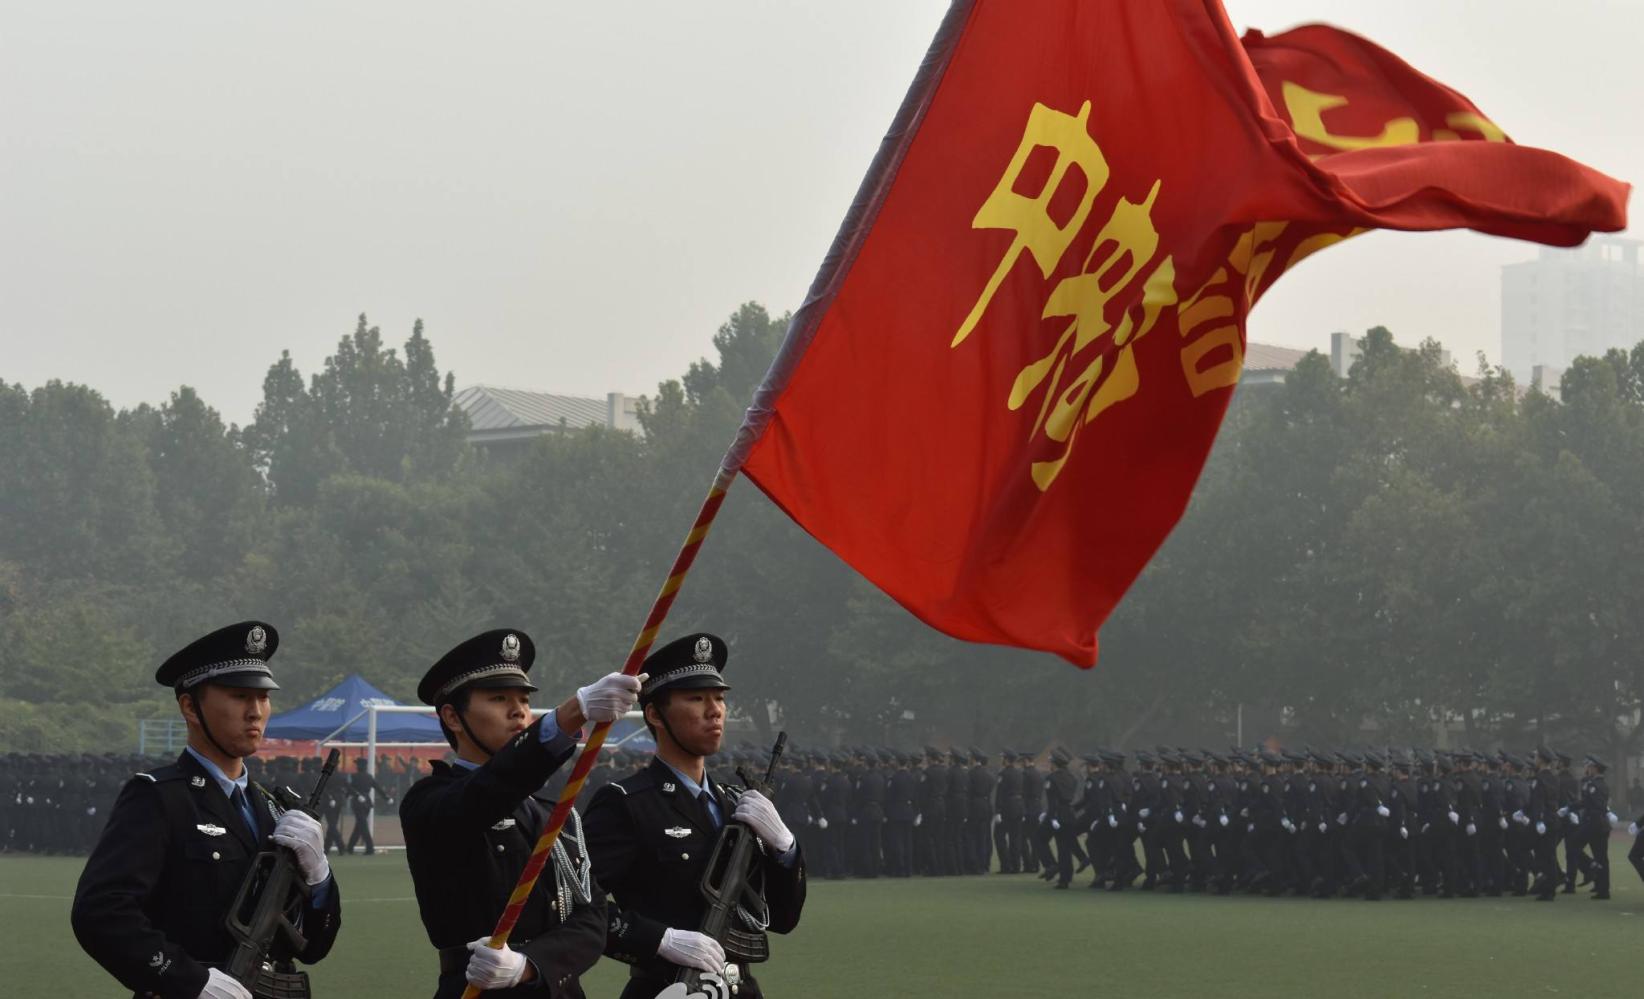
995 936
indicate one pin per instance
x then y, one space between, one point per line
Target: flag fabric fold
1000 392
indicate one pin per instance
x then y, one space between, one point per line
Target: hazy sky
574 196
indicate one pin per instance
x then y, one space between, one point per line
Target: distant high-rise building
1569 303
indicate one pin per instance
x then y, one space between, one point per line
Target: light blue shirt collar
225 782
691 786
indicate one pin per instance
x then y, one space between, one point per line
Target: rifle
261 916
725 885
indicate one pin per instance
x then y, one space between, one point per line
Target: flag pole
847 243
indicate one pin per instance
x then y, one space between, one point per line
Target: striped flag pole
596 739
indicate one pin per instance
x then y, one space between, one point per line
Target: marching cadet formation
624 879
1369 825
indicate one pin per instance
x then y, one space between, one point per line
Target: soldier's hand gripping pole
590 752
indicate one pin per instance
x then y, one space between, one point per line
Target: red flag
1007 377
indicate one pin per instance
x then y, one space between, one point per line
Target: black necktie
706 800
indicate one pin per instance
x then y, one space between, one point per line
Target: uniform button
215 855
501 848
684 856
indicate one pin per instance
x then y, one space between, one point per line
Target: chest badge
677 832
211 830
504 825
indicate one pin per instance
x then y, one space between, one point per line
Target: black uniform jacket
468 834
151 902
650 843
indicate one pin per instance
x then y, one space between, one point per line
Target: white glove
1113 822
302 834
916 819
1455 819
494 968
1177 815
1199 821
1250 827
1521 818
610 697
853 822
690 949
1502 822
757 811
1341 819
1144 813
1615 821
1286 826
1541 828
1141 827
1383 811
1404 832
1042 816
219 986
1472 829
1632 828
997 818
1055 825
1324 827
1223 820
822 823
1575 819
1564 811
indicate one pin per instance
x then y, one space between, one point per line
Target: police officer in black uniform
362 796
651 836
151 902
470 825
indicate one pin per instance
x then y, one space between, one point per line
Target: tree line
1369 559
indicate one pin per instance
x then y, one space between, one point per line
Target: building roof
1267 357
490 408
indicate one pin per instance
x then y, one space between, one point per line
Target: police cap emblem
256 640
704 649
510 648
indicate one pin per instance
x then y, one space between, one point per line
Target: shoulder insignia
668 787
147 777
619 787
197 781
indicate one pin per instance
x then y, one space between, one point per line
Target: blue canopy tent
340 714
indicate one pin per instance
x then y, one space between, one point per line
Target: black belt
454 960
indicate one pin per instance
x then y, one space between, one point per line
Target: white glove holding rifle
690 949
302 834
220 986
757 811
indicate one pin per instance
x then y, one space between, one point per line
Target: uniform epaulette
641 781
169 772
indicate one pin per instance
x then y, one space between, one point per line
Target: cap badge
256 640
510 648
704 649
